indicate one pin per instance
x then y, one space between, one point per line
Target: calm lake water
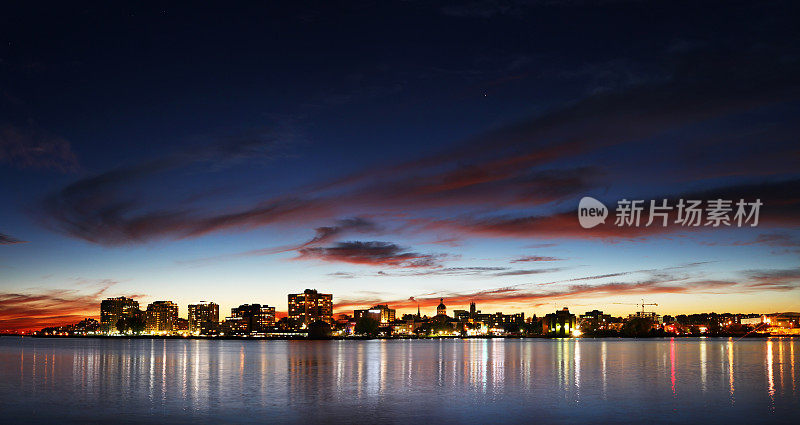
447 381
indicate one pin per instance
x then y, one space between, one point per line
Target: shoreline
303 338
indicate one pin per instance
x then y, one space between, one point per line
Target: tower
441 310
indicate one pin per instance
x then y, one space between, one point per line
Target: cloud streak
535 258
32 311
9 240
103 209
30 147
781 208
656 282
538 161
373 253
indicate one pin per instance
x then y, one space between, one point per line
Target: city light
311 314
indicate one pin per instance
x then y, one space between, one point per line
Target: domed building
441 310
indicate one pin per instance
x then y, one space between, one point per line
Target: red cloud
774 280
502 170
535 258
19 311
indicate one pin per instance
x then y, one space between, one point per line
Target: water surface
76 380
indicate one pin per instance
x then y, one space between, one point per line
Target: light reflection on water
450 381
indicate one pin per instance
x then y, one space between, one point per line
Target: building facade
113 309
381 313
311 306
649 315
203 316
441 309
593 321
562 323
161 317
250 319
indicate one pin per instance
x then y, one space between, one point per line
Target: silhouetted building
461 315
497 320
560 323
311 306
87 325
204 315
251 318
652 316
113 309
500 320
370 313
441 309
594 321
381 312
161 317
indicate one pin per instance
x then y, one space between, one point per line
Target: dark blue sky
387 150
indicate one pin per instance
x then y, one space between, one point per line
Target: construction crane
643 304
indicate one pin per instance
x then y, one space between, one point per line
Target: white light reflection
164 369
703 364
196 372
498 357
151 377
770 379
384 346
577 343
604 360
184 371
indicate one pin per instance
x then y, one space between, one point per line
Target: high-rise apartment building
161 316
113 309
311 306
203 316
251 318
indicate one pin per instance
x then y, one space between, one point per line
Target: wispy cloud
322 235
671 280
31 147
9 240
781 208
53 307
106 209
436 270
373 253
535 258
510 295
511 171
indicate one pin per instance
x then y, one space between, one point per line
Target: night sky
394 152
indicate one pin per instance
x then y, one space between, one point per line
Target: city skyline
162 317
338 150
310 316
183 311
